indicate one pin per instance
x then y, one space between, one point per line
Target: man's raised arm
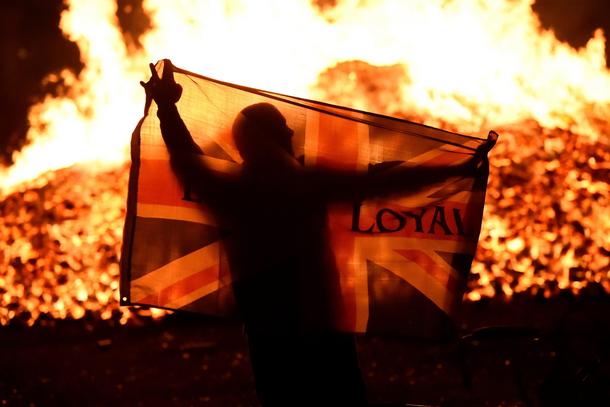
185 154
166 92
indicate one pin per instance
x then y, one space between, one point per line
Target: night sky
32 46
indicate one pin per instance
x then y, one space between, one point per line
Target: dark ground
559 356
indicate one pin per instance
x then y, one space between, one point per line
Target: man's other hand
164 91
480 155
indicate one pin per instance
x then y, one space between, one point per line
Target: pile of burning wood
546 229
547 221
60 246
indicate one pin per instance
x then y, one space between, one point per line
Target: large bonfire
467 66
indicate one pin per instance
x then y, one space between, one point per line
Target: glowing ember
547 220
60 246
467 66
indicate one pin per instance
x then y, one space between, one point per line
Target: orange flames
468 66
477 65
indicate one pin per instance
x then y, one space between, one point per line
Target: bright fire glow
473 64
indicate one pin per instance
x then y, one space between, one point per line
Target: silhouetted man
273 213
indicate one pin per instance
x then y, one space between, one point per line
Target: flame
91 121
473 64
464 65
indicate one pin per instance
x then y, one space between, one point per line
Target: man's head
258 130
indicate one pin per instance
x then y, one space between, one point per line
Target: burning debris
61 238
462 66
547 222
545 230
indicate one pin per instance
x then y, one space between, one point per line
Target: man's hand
164 91
480 155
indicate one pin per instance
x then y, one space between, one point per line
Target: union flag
403 260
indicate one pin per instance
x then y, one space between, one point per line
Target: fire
90 122
473 64
464 65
